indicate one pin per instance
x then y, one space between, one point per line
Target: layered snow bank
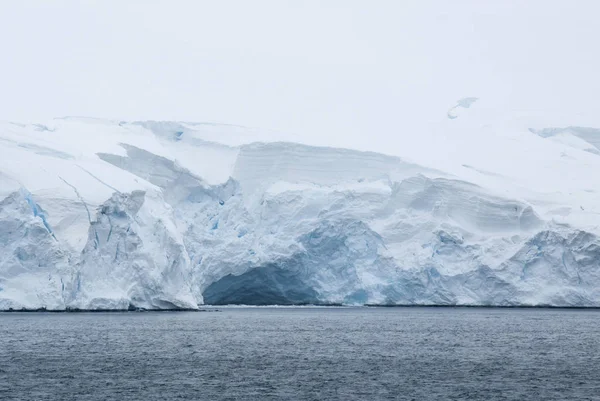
158 215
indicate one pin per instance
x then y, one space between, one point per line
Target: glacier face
97 214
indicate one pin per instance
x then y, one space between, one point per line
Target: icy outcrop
158 215
583 138
34 269
463 103
559 267
134 256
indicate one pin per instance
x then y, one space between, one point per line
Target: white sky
316 68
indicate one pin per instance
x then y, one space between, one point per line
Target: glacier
479 209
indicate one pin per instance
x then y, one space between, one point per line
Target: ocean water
302 354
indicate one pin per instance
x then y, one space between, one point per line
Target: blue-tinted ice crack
37 210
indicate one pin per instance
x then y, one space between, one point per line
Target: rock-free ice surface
485 209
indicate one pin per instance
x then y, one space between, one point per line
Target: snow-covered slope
476 209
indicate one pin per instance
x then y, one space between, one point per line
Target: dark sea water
302 354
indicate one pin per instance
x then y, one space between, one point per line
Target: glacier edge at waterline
164 216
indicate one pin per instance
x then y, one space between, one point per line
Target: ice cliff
98 214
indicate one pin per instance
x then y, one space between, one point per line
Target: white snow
486 208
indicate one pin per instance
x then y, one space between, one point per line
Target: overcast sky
310 67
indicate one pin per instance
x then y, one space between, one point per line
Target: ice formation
99 214
463 103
